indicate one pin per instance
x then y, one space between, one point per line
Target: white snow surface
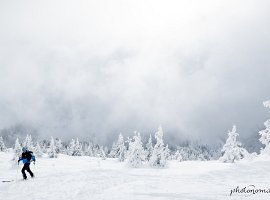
86 178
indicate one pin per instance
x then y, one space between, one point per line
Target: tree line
136 153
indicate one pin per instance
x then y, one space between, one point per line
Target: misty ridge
94 70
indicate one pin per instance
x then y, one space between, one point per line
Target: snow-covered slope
85 178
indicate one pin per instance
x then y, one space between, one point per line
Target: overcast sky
100 67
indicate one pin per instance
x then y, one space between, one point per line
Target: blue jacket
27 157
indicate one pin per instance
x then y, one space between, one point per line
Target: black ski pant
27 168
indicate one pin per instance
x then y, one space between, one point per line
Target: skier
26 158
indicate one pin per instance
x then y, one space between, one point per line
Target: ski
7 181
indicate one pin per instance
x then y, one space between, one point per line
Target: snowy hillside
84 178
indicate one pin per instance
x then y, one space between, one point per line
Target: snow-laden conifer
102 153
28 143
232 150
89 150
71 147
158 158
51 150
2 144
17 148
118 149
58 145
149 148
77 149
265 134
135 155
177 156
38 150
113 151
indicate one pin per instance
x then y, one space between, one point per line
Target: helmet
24 149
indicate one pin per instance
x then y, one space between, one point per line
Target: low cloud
97 68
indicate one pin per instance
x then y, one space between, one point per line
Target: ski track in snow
85 178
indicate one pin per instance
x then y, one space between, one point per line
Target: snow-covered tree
158 158
265 137
106 151
266 104
17 150
28 142
44 146
119 149
265 134
177 156
232 149
102 153
58 145
167 153
96 150
38 150
197 151
113 151
2 144
89 150
135 155
71 147
149 148
75 148
51 151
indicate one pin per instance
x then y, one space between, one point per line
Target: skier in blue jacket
26 158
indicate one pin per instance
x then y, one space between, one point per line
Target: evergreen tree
102 153
113 151
89 150
167 153
51 151
120 150
77 149
2 144
196 151
44 146
265 137
58 146
28 142
96 150
71 147
106 151
232 149
135 151
265 134
38 150
17 150
149 148
177 156
158 159
184 151
266 104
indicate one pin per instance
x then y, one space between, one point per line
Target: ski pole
34 167
17 172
